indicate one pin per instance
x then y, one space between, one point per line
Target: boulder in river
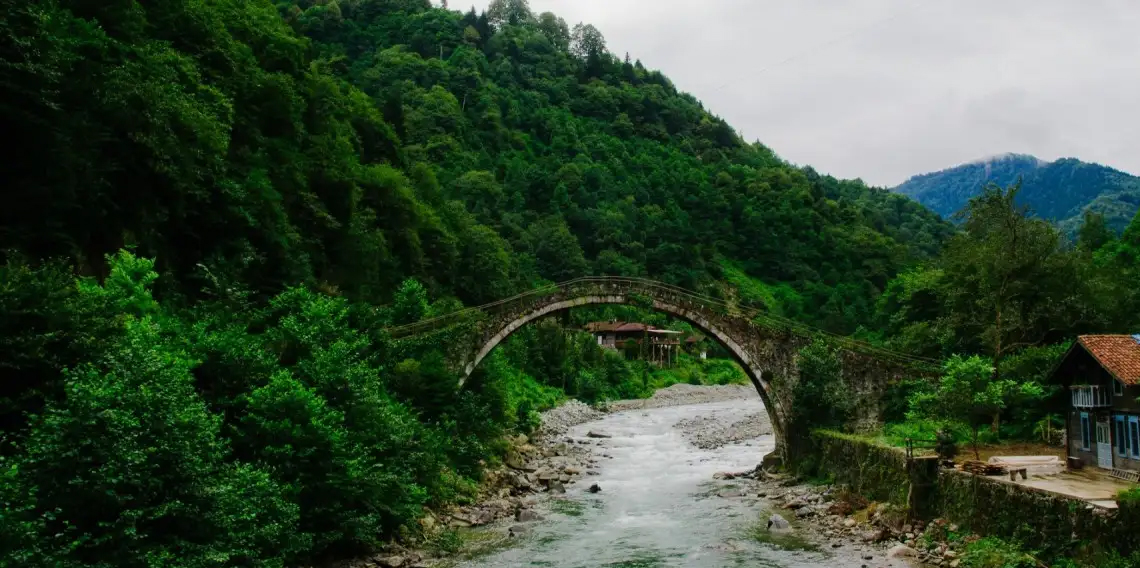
515 461
593 434
526 516
518 530
557 487
777 523
595 488
902 551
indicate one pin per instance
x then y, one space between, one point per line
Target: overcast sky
884 89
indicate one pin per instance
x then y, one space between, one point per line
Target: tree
484 270
509 12
411 303
555 29
970 392
1009 282
558 256
587 42
1094 232
820 400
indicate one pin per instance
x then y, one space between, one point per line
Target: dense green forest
1062 191
215 207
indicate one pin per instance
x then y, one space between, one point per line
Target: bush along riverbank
952 518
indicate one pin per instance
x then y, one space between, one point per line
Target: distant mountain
1060 191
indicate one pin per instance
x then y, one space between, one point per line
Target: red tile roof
603 325
634 327
1118 354
618 326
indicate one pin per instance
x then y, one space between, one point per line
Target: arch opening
739 354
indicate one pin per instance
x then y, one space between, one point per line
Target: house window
1134 436
1121 436
1086 431
1117 388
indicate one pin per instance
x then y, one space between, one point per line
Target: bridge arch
694 315
765 348
739 353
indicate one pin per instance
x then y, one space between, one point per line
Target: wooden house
1102 373
656 345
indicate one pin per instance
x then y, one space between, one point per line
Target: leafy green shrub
821 401
927 429
1129 498
996 553
47 323
130 470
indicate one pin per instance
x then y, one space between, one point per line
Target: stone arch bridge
765 347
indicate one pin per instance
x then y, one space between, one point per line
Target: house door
1103 445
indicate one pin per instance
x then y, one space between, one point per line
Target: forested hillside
1062 191
352 144
214 208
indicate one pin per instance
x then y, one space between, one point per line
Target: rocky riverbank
545 463
879 533
682 394
710 431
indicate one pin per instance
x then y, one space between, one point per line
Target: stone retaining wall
1037 519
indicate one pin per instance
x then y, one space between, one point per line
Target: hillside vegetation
1062 191
215 207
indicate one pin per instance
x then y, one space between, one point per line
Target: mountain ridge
1062 190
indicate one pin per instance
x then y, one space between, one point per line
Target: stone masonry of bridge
766 353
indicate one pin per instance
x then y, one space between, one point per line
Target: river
659 505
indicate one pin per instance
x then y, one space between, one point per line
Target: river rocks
902 551
516 461
595 488
797 503
593 434
557 421
777 523
556 486
391 561
527 516
710 432
682 393
875 535
517 531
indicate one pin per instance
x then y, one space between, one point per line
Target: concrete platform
1097 488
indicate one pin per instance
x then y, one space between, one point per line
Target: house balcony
1091 397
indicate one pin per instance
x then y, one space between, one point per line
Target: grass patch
461 545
